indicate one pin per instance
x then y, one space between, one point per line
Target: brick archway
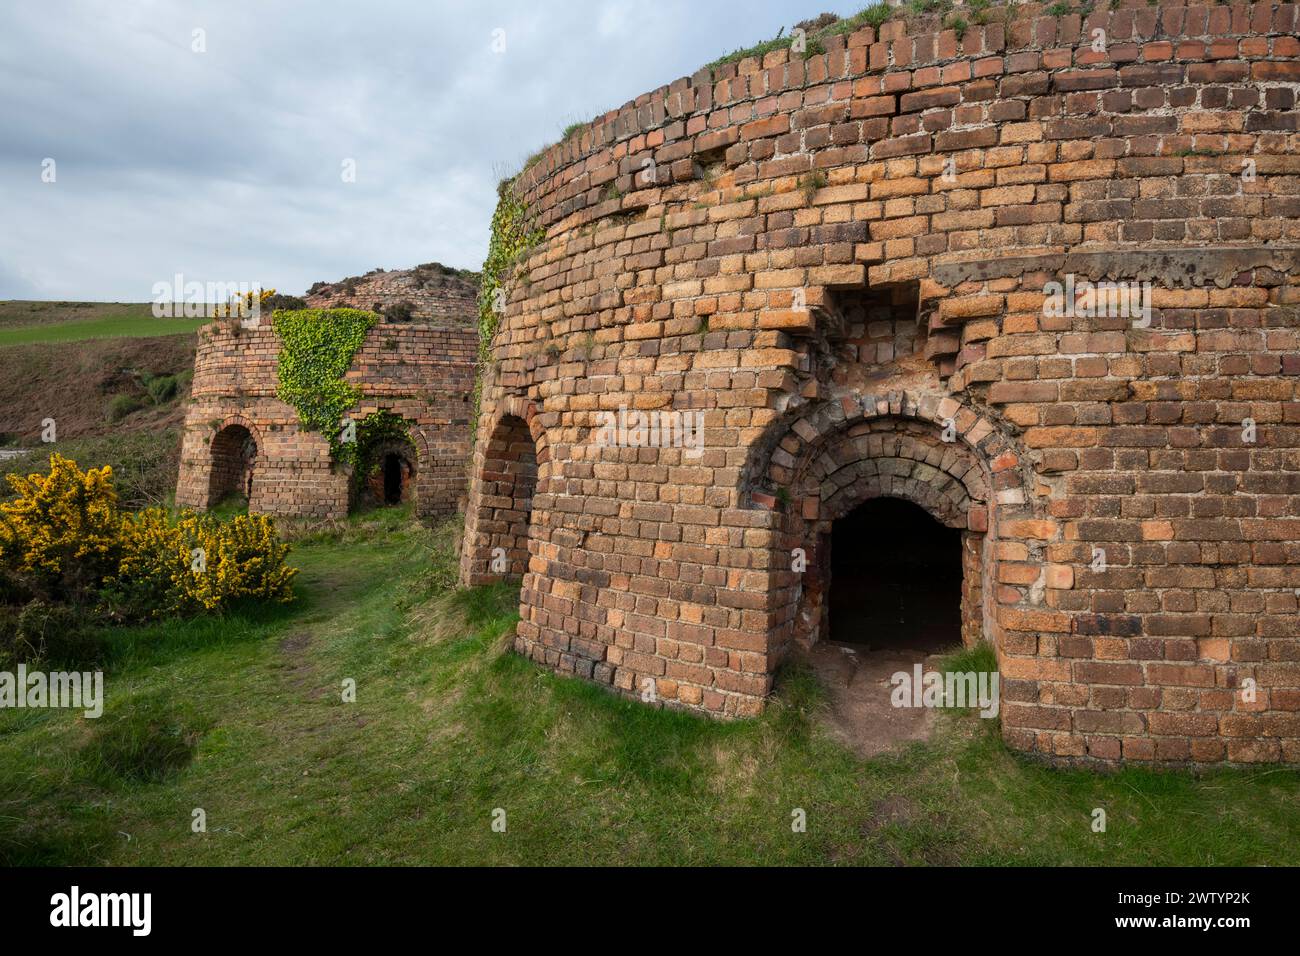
822 463
234 453
499 520
427 472
373 487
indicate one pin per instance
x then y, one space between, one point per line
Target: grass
24 323
872 16
243 718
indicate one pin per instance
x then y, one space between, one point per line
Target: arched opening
912 474
234 457
505 504
895 579
387 464
385 476
884 516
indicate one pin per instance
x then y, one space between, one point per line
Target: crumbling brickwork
846 264
240 438
434 292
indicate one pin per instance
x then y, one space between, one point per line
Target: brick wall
845 262
421 372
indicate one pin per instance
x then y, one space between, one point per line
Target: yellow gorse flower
64 528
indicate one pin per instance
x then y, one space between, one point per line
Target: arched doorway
882 513
386 476
498 532
387 466
826 468
895 578
234 459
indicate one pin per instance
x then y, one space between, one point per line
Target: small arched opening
886 499
387 463
501 523
234 460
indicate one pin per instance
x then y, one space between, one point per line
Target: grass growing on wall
814 35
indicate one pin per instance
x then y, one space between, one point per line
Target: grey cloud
225 165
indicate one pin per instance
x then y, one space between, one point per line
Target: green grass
24 323
873 16
243 718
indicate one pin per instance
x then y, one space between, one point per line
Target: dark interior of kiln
393 478
895 578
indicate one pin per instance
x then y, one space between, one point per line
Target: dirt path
857 681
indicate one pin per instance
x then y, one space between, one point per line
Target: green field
242 717
23 322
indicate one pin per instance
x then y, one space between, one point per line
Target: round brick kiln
241 439
1044 291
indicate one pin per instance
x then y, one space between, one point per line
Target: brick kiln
1039 287
241 439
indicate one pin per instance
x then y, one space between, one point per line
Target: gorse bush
195 563
61 535
144 464
63 540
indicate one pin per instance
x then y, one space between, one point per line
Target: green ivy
317 347
513 234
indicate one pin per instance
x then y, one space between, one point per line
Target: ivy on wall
513 235
317 347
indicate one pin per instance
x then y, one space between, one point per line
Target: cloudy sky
227 164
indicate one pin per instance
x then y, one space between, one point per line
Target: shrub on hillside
64 540
161 388
119 406
144 464
277 301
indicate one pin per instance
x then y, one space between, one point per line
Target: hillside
116 401
25 322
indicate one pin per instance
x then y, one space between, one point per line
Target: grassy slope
448 726
75 383
25 323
